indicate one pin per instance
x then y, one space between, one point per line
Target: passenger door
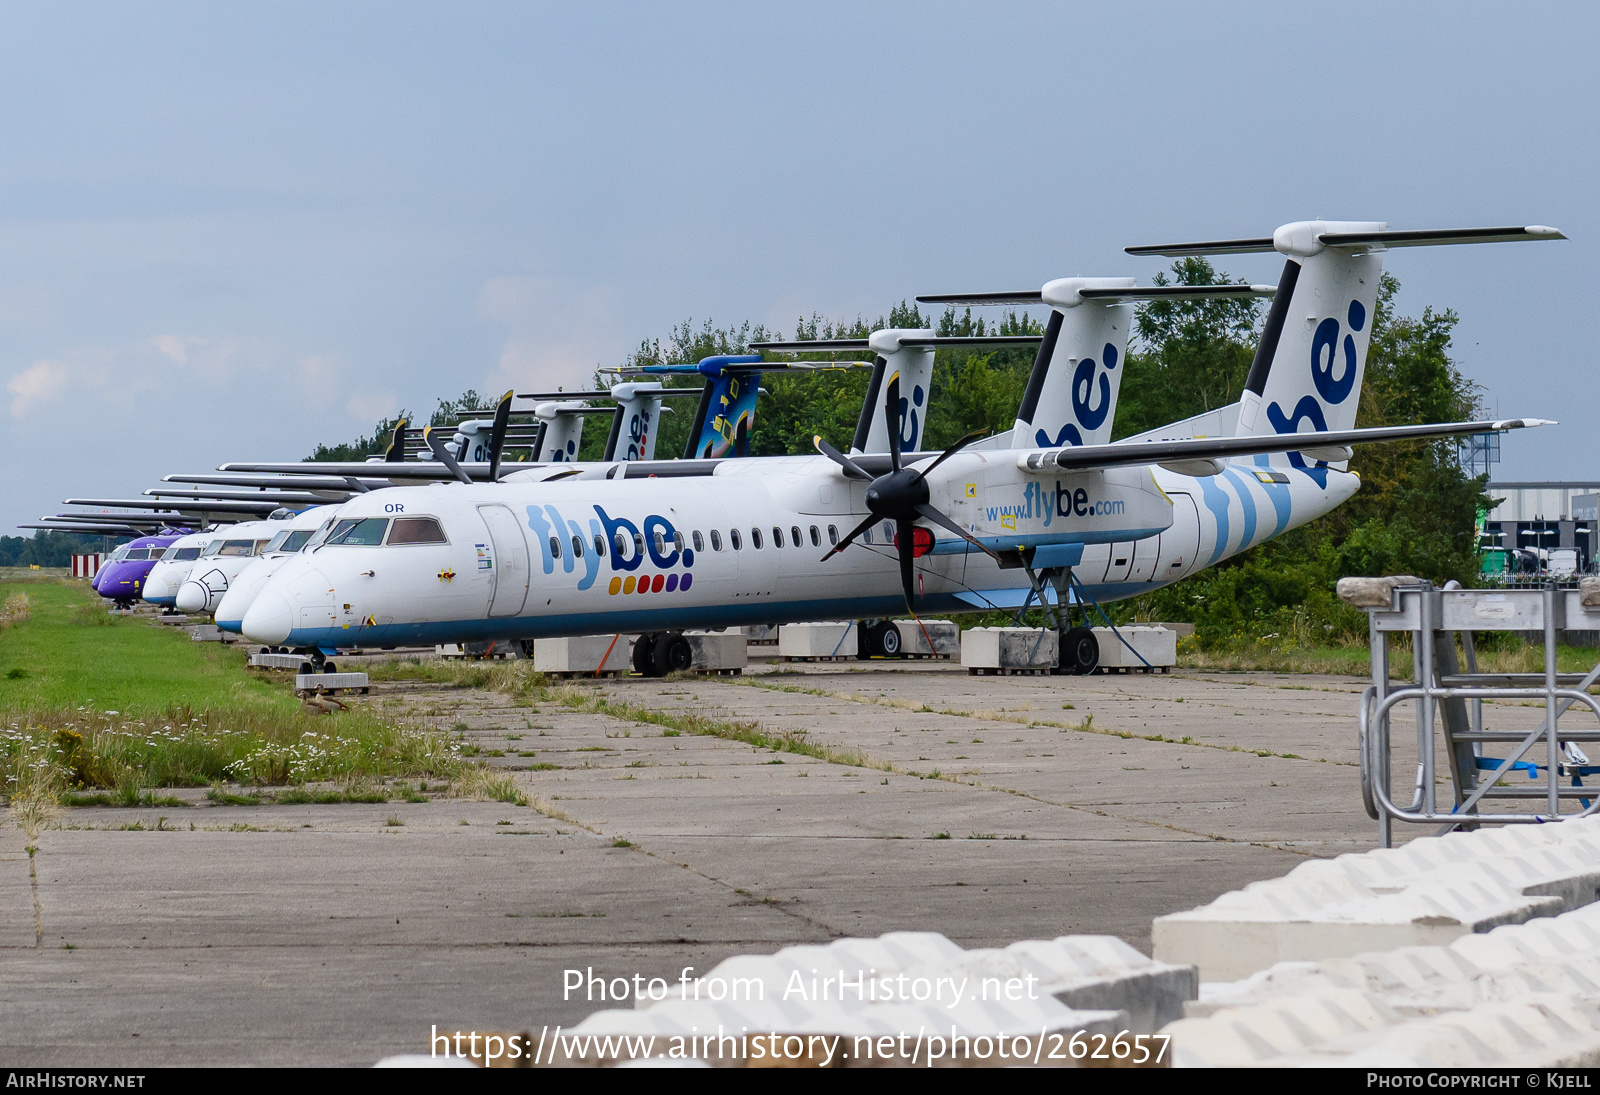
508 560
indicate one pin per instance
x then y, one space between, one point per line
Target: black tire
329 667
863 640
672 654
306 668
643 654
1080 652
265 650
887 640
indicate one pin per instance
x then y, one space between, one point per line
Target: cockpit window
170 554
274 543
417 530
295 540
137 553
120 553
359 531
185 554
213 548
238 548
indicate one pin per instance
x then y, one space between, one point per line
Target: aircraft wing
1330 445
200 506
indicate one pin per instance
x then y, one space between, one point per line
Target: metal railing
1448 699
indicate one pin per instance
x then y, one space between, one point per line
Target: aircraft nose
191 597
269 620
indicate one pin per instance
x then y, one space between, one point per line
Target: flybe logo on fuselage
652 545
1038 503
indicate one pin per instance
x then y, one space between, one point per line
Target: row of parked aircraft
466 547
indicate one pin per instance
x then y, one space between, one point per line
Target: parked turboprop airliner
709 544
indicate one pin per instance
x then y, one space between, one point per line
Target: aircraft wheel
672 654
643 650
1080 652
265 650
887 639
329 667
864 630
306 667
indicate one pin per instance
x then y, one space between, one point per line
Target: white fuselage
527 559
161 587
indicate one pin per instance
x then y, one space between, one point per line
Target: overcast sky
228 232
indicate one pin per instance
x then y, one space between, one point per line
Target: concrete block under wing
277 661
715 650
1009 648
1158 646
817 640
583 654
946 636
331 682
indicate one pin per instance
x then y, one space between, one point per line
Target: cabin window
555 546
577 547
888 532
755 538
777 536
417 530
733 538
816 537
661 542
600 545
716 540
794 537
867 536
357 532
677 540
621 545
699 544
833 536
638 544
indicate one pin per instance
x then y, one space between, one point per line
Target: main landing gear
878 639
657 653
1079 650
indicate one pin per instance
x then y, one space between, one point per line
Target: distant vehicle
1563 562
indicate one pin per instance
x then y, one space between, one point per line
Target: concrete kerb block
1009 648
818 640
331 682
1157 645
914 636
718 650
1427 893
583 654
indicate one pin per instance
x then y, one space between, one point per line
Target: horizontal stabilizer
1084 457
1177 292
1217 247
933 341
1437 237
1376 238
978 300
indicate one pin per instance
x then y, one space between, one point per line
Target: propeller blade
905 539
851 468
951 451
928 513
850 537
891 410
397 444
497 436
356 485
442 453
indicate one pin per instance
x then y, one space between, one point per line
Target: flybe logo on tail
1333 384
1090 414
628 547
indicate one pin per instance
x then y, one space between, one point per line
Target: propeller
397 444
497 436
442 453
900 496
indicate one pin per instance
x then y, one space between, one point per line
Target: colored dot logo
651 583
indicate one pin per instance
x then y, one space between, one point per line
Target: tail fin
1309 365
1071 398
560 431
914 364
634 428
